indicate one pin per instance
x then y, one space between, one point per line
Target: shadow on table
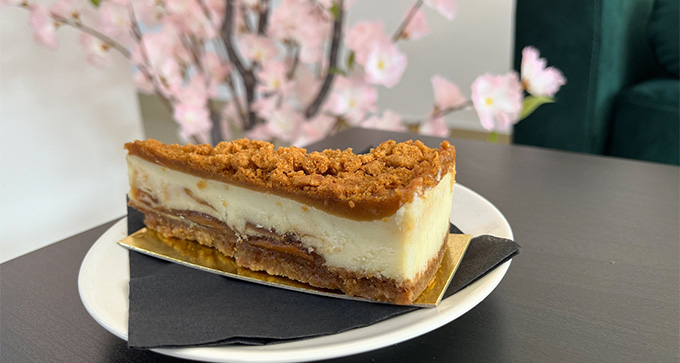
484 323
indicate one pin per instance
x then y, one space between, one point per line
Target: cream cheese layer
399 246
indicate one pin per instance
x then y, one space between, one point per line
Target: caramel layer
285 256
195 229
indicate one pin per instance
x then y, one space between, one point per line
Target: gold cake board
208 259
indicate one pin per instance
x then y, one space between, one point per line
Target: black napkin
176 306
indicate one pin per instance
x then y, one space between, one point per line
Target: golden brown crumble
367 186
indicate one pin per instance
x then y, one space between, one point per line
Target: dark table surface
597 278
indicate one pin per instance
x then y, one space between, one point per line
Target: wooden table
597 278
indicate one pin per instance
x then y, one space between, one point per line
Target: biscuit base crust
284 255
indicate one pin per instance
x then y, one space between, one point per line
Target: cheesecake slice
373 225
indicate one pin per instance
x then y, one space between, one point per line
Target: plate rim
429 319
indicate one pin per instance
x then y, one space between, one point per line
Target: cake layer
362 187
399 246
284 256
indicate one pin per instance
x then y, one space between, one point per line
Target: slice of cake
372 225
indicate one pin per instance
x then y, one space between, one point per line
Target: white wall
478 40
62 128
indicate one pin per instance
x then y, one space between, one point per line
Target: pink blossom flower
230 116
114 20
257 48
305 24
71 8
215 67
536 78
446 94
272 76
447 8
97 51
435 127
196 91
168 76
314 130
283 24
362 37
189 17
193 119
62 8
161 54
44 28
264 106
216 9
259 132
389 121
351 98
497 100
284 123
229 119
385 64
160 46
319 27
191 110
311 53
300 22
417 26
183 7
305 85
150 13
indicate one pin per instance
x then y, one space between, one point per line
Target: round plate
104 276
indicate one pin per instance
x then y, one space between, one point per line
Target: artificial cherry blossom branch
216 131
196 52
206 11
293 106
226 38
264 16
234 98
400 31
296 60
220 49
440 113
313 108
86 29
190 44
219 46
136 32
246 20
247 75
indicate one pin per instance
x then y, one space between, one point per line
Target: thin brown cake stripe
259 253
365 187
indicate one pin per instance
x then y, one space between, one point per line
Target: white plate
104 276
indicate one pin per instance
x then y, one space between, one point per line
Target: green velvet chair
620 58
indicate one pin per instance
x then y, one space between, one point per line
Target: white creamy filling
399 246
